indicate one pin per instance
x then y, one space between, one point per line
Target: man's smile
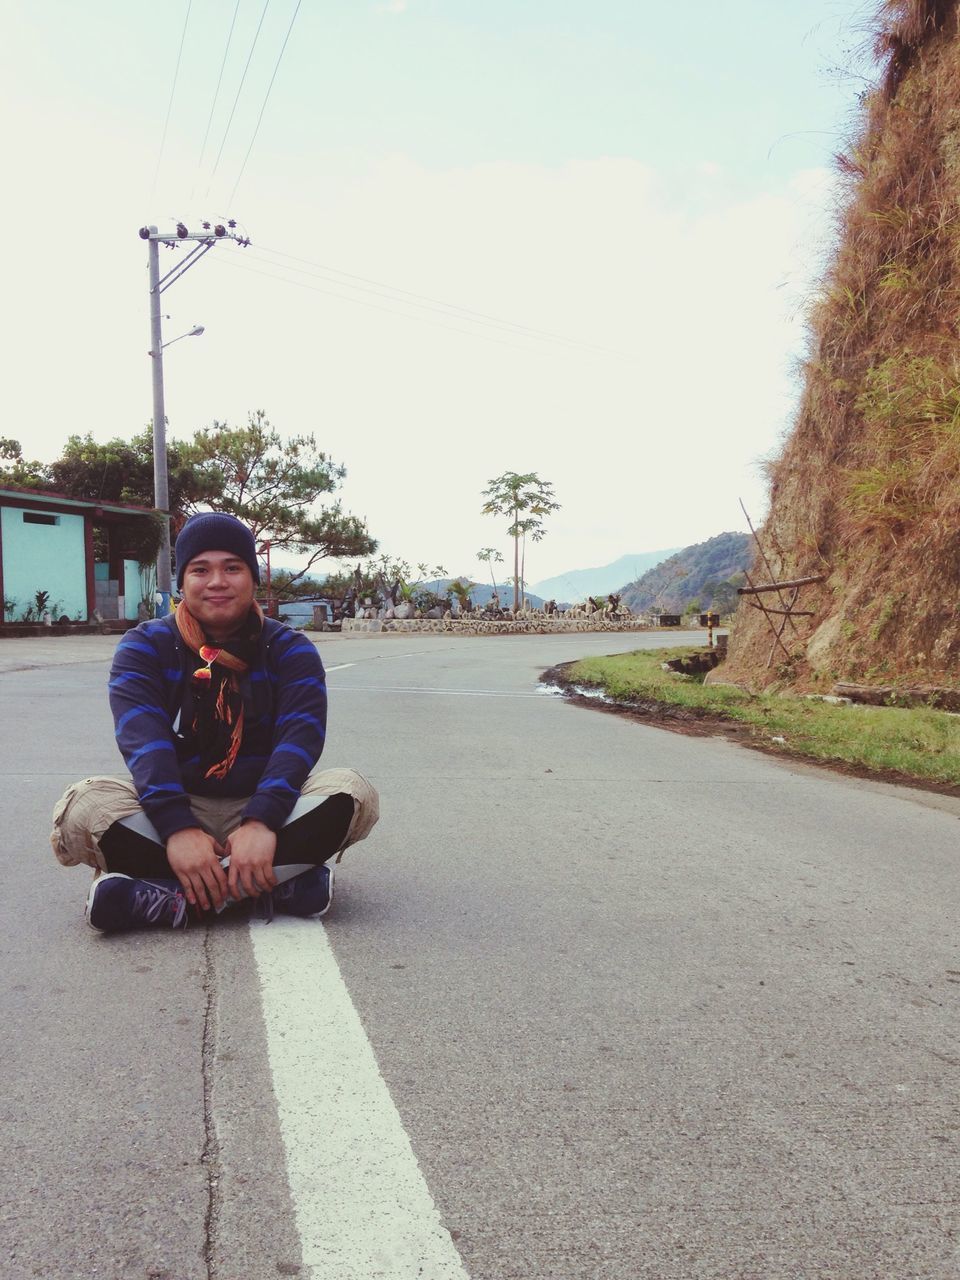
218 589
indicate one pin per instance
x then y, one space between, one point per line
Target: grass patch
919 743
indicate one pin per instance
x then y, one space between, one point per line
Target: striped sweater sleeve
299 728
145 735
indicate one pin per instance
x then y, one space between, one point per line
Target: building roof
44 497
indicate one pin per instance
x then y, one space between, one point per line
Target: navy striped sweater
284 714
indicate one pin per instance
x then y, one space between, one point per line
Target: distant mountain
708 572
577 584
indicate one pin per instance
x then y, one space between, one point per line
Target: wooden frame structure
789 611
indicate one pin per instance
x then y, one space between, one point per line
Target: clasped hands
195 858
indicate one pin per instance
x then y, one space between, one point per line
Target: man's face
218 588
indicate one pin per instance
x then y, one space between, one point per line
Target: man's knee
84 812
366 801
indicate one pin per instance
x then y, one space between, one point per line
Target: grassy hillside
867 489
708 572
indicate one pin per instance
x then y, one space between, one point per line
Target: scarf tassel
228 708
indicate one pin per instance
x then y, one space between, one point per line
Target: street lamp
195 332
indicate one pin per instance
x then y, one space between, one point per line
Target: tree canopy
14 469
274 485
490 556
122 471
367 580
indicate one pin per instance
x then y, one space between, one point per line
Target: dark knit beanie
215 531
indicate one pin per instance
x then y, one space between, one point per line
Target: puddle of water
588 691
582 691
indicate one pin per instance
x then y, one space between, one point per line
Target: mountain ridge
706 573
576 584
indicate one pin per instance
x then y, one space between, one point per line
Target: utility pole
161 493
203 241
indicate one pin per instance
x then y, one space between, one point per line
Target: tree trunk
516 562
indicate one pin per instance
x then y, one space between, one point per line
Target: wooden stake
780 586
773 628
796 613
763 556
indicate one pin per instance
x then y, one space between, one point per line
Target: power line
434 304
448 310
466 312
173 89
216 95
265 101
239 91
360 302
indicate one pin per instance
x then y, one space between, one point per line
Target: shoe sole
329 893
97 881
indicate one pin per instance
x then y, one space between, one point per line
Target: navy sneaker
118 902
309 894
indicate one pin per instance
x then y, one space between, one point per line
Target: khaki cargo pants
86 809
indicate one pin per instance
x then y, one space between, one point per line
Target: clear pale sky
654 190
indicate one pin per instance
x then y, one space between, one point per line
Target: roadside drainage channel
579 691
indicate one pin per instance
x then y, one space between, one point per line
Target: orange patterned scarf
218 703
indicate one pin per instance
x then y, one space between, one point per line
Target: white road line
412 689
342 666
363 1209
418 653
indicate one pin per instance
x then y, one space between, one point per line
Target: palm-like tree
491 556
514 493
534 527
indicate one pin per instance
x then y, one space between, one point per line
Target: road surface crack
210 1157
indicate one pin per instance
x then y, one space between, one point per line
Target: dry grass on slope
867 488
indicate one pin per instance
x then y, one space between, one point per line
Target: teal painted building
49 548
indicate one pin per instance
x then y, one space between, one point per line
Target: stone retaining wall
479 627
28 630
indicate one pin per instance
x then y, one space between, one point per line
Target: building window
39 517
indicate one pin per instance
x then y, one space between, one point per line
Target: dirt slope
867 489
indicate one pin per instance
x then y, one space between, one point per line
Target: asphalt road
646 1005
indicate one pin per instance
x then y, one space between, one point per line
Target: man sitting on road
220 714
